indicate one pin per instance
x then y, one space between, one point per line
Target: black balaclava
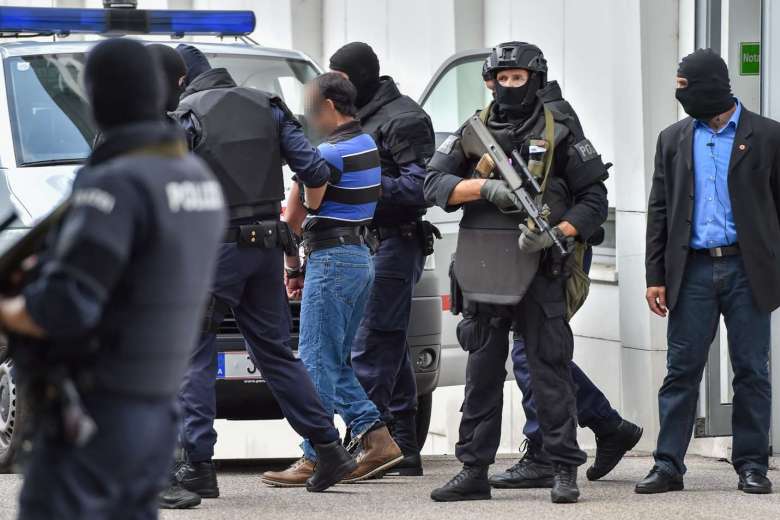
708 93
173 70
358 61
517 103
124 84
196 61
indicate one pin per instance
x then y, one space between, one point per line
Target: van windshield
50 117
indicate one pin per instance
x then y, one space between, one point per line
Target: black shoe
754 482
470 484
659 482
534 470
176 497
333 464
410 466
199 477
610 448
565 490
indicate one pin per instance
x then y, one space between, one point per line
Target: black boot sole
754 490
345 469
405 472
462 498
181 504
594 475
203 492
537 483
678 486
565 499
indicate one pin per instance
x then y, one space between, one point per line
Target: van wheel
424 407
11 414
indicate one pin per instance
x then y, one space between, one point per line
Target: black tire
12 414
424 407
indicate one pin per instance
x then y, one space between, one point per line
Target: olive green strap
549 136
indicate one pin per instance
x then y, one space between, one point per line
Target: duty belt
333 237
718 252
407 230
263 234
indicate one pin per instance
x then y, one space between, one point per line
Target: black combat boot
470 484
565 490
404 431
176 497
611 447
534 470
333 464
199 477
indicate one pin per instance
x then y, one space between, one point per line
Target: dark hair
339 90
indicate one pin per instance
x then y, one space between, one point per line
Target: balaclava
124 83
173 70
517 103
196 61
358 61
708 93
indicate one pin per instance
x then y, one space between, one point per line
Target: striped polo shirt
353 189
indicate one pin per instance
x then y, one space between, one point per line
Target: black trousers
484 333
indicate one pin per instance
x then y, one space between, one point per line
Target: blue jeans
338 282
711 287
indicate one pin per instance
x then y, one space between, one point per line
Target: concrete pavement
710 495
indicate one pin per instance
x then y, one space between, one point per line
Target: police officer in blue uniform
113 301
405 140
244 134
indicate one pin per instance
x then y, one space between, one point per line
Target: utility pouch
372 241
427 233
263 234
456 296
578 283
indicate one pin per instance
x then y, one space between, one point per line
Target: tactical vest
489 237
240 142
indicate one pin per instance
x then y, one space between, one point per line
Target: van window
458 93
50 117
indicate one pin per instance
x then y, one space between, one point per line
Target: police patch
585 150
446 146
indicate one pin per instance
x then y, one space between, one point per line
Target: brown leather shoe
379 453
294 476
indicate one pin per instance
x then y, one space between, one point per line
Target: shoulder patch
447 145
585 150
95 198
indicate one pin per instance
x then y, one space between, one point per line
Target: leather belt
340 236
719 252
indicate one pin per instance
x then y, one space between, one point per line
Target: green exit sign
749 58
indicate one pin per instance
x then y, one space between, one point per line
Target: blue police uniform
244 134
122 312
380 353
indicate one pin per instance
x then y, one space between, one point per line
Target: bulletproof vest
153 317
240 142
379 118
489 266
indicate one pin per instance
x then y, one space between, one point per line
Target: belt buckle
716 252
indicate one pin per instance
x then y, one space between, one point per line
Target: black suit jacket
754 189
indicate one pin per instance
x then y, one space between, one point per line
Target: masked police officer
114 300
405 139
244 134
531 273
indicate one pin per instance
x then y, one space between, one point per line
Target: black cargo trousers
484 332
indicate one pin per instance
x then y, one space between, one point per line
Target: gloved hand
498 193
533 241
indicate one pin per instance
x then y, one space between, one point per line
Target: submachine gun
44 377
477 141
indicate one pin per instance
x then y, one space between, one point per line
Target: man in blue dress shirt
712 246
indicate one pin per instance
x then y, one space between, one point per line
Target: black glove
498 193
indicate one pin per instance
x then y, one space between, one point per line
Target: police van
47 133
